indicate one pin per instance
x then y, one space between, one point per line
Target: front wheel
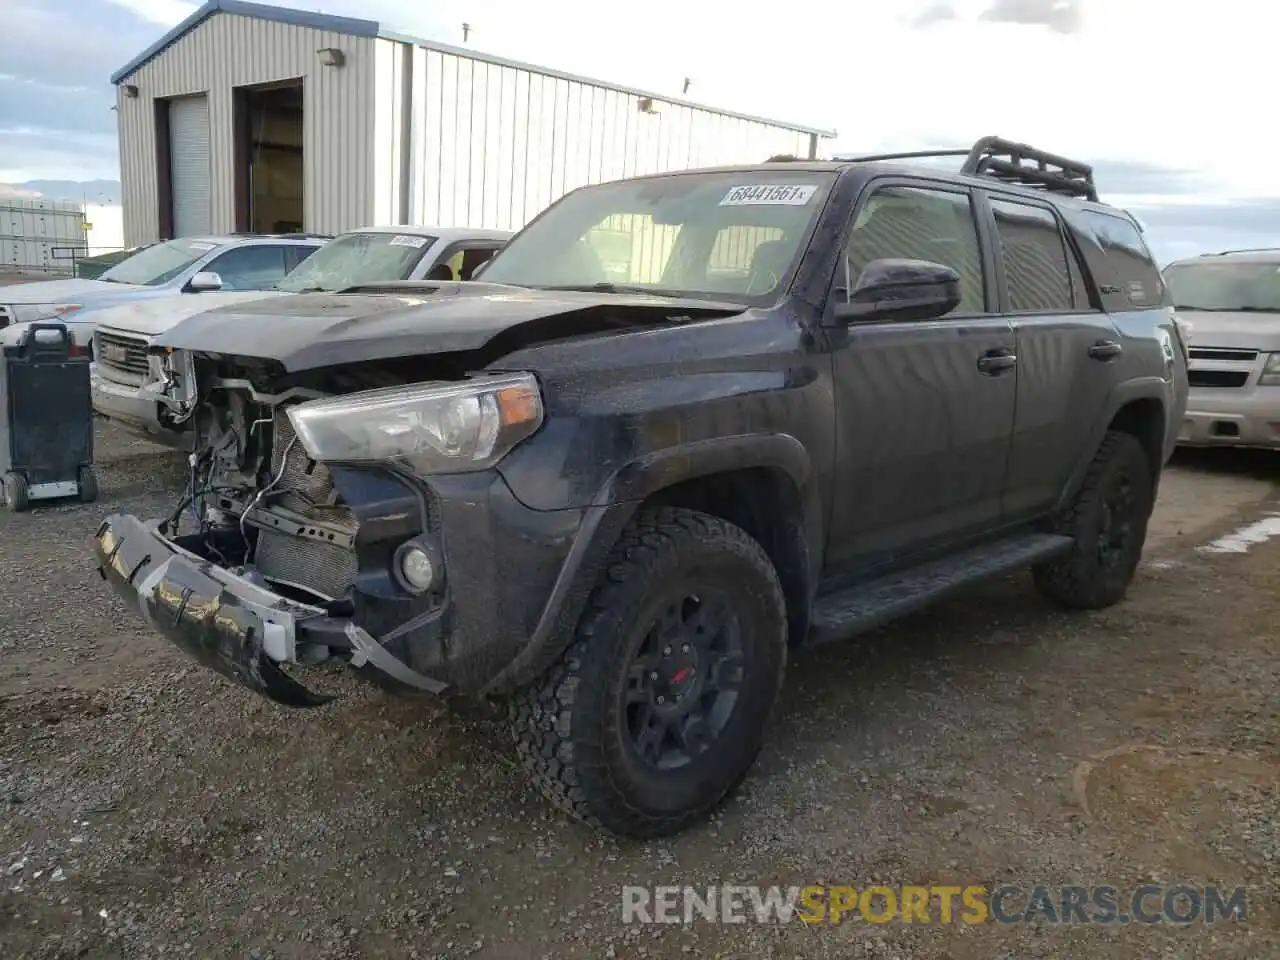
1108 524
658 708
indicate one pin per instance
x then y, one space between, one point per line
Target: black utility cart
46 431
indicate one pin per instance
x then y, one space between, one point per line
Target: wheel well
1144 419
765 502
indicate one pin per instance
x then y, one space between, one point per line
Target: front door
925 408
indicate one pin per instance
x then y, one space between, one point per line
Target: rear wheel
16 499
87 484
1108 522
658 708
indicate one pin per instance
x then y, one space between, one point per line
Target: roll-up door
189 164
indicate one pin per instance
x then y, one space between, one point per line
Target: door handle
995 362
1105 350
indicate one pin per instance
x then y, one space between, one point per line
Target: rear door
1067 350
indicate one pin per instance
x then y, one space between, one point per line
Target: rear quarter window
1122 264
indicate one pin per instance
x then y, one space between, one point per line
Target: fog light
417 566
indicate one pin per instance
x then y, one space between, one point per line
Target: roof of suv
1251 255
1015 166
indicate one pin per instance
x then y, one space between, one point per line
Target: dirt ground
150 809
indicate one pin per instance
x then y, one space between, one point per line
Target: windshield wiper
604 286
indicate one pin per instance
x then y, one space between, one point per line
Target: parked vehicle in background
128 385
91 268
189 265
616 488
1231 304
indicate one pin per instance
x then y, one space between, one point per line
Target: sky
1154 93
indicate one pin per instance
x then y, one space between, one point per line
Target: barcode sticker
405 241
761 194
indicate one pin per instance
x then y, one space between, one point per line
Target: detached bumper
225 622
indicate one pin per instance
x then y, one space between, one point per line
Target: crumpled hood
150 317
1233 329
62 291
309 331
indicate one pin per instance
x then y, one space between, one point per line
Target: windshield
1219 285
160 263
732 236
355 258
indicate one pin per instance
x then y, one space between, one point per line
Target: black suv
683 424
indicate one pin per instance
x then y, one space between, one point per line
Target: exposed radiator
306 489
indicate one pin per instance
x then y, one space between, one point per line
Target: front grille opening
1225 428
1223 353
314 562
1217 378
128 354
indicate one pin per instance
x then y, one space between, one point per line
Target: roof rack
1010 162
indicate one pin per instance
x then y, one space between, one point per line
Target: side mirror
204 281
901 290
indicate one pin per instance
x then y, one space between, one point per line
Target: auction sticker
796 195
402 241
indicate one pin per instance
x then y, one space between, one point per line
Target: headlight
28 312
443 428
1270 376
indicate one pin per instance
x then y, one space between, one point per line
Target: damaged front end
308 532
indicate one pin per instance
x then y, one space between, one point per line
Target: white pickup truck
124 376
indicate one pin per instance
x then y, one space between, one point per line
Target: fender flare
1142 388
687 461
613 506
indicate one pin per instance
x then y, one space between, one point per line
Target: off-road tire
16 498
1078 579
86 484
569 725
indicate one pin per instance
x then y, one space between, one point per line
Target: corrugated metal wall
227 51
40 234
418 134
491 145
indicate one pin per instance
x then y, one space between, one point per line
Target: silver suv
1229 305
186 265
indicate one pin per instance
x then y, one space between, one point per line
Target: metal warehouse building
255 118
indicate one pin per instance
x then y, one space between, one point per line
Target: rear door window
1037 264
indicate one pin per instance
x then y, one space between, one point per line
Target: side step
854 610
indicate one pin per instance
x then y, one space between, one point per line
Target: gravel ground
150 809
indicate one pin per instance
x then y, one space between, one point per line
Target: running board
849 612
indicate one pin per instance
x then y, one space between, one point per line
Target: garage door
189 164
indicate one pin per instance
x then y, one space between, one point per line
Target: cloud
934 13
39 153
1065 75
164 12
1064 16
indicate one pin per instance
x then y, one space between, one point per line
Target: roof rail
1223 253
1010 162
